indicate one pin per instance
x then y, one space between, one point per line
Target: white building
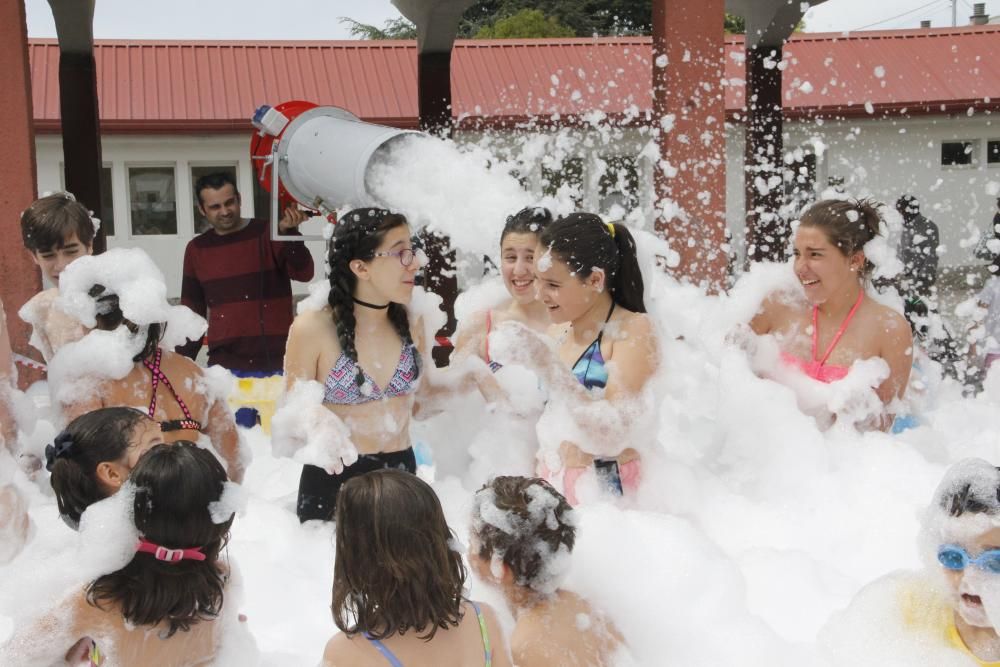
890 113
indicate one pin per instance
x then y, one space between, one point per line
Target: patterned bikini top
342 386
158 376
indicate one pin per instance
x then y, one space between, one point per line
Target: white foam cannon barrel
323 156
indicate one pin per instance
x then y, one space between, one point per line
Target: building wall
888 158
880 158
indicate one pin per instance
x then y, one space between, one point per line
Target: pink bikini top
817 369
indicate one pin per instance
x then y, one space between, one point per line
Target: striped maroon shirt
241 283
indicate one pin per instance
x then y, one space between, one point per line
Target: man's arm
192 296
292 257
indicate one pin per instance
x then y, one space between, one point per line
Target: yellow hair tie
611 228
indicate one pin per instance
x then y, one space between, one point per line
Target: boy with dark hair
56 230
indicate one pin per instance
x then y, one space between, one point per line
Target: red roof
147 86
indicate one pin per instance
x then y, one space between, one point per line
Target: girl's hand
514 343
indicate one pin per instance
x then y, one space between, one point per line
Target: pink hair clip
170 555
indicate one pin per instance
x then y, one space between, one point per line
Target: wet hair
358 235
110 317
90 439
584 242
214 181
849 224
174 485
395 570
513 517
908 204
49 220
963 496
529 220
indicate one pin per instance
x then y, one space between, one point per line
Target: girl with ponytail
362 348
163 606
587 275
833 325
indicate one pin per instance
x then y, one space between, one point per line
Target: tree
735 24
398 28
526 24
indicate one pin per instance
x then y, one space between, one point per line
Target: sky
319 19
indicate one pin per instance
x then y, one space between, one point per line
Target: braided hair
357 236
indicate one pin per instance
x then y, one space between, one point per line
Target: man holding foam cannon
239 279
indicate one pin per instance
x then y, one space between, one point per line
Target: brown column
690 182
81 133
434 104
767 233
19 277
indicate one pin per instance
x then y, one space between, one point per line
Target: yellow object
926 611
611 228
260 394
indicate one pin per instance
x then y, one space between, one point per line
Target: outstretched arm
221 430
604 416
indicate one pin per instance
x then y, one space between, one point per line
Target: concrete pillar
689 103
434 104
20 279
78 105
767 233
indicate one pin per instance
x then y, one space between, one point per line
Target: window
571 175
619 184
107 214
152 200
993 152
960 153
200 223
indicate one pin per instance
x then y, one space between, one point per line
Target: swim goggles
954 557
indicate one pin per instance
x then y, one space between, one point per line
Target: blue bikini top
589 368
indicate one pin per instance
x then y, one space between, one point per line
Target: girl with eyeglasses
362 348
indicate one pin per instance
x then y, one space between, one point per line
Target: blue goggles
954 557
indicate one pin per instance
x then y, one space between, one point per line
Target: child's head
524 527
94 455
963 530
579 257
174 487
396 569
518 242
110 316
57 229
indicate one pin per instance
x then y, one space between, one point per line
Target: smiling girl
606 351
836 324
518 242
362 348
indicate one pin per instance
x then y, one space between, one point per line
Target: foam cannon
316 156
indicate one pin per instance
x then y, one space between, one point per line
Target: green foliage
526 24
735 24
584 18
397 28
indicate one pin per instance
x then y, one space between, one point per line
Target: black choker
369 305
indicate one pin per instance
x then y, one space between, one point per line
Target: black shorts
318 489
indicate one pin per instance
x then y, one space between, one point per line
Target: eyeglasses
406 256
954 557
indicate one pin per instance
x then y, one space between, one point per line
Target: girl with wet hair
518 242
95 454
398 582
948 612
831 324
523 532
606 351
363 349
163 606
172 389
